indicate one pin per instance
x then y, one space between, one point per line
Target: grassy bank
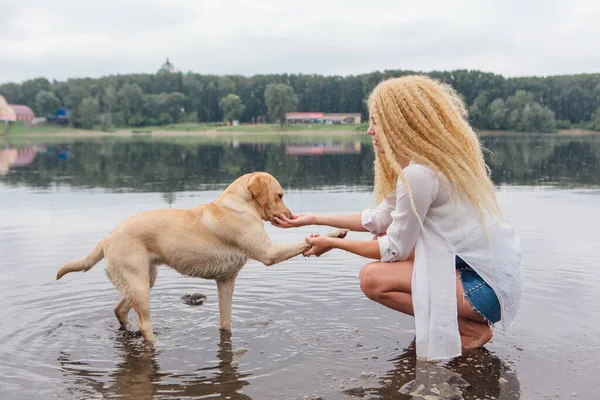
214 133
262 128
18 128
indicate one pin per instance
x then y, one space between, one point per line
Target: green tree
165 118
89 112
31 88
172 103
225 85
497 115
595 125
164 108
527 115
130 102
193 91
232 107
280 99
46 103
479 111
77 92
573 99
13 93
109 100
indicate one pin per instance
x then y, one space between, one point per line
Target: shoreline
218 133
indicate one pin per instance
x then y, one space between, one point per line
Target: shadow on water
138 375
484 375
162 166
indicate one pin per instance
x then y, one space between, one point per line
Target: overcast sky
62 39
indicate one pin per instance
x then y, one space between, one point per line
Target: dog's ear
259 187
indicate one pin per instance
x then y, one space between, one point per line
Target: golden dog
210 241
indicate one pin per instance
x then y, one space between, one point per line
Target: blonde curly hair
425 121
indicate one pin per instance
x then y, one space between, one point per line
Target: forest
523 104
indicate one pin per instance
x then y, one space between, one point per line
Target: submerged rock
260 321
457 381
409 387
193 299
357 391
448 392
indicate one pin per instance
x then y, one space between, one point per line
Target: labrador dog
210 241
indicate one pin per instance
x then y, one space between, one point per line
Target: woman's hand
320 245
296 221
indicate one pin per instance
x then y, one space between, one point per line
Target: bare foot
473 334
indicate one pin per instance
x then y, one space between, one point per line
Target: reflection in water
167 167
312 149
486 376
138 375
11 157
292 351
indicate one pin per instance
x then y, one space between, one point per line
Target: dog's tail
83 264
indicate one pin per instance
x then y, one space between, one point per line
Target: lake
302 329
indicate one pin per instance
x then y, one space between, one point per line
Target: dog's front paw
340 234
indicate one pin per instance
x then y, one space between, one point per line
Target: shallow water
301 328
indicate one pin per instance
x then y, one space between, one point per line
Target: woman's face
373 132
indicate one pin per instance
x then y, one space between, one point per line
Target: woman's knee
369 281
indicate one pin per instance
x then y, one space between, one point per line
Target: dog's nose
288 214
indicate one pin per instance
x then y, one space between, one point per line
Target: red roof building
23 113
323 118
15 112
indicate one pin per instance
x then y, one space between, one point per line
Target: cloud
63 39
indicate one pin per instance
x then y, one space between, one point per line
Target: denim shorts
480 294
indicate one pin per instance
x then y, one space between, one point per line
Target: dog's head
268 196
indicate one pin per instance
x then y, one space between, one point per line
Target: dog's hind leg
140 299
225 290
131 276
123 307
122 313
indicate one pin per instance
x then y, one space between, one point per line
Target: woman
444 253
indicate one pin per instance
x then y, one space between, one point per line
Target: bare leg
390 284
225 291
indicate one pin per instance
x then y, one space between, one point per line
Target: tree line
535 104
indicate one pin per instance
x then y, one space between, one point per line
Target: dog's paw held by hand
339 234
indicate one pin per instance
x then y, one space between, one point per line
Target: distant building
15 112
24 113
6 111
168 68
60 117
322 118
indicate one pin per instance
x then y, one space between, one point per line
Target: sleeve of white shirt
377 220
405 227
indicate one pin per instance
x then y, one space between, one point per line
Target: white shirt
449 229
